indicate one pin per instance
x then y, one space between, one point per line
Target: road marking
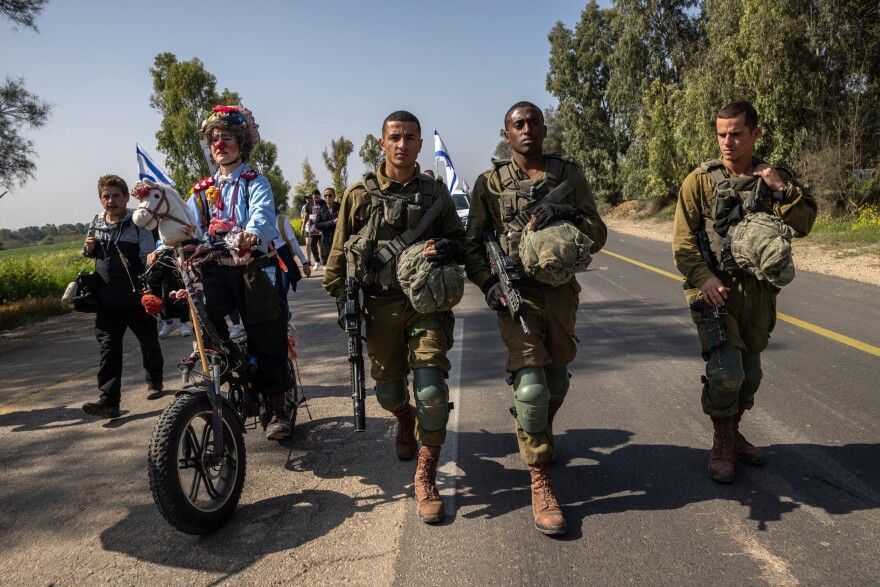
446 483
842 339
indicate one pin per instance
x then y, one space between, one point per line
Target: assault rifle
355 352
504 269
711 315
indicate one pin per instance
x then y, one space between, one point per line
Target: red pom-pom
152 304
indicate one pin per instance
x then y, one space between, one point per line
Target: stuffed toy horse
160 204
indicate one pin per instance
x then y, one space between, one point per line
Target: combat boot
745 450
405 443
279 426
101 408
722 453
548 516
430 505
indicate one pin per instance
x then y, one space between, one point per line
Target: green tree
19 108
502 149
264 159
184 93
578 77
371 153
336 161
305 187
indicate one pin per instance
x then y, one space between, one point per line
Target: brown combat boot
722 453
745 450
405 443
548 516
430 504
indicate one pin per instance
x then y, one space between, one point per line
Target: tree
336 162
371 153
302 190
19 108
263 160
22 12
184 93
502 149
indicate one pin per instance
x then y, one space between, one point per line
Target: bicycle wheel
195 494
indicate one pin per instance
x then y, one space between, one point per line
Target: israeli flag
149 170
456 185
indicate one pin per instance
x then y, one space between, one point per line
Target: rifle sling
554 196
404 239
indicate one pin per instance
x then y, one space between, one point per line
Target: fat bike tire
194 495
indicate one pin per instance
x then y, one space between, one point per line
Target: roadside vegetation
32 280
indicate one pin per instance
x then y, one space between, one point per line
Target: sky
310 72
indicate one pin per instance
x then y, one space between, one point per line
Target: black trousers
110 325
326 245
313 246
267 341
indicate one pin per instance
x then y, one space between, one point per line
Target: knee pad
558 382
752 380
531 399
392 396
432 398
724 377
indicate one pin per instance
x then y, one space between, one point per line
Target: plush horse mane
161 204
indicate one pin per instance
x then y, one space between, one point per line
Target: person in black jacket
327 216
120 249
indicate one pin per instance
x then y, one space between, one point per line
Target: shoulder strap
283 218
408 237
554 196
714 168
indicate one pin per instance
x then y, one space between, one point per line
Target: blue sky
310 72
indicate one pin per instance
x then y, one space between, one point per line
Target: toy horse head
161 205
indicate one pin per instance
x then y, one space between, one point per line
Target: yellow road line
856 344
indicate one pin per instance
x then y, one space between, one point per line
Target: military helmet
430 287
761 244
554 253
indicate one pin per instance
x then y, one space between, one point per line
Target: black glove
340 307
546 213
493 292
447 250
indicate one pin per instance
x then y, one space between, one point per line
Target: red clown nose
220 146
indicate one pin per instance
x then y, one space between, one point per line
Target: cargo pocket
261 302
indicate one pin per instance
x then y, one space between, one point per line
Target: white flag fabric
456 185
149 170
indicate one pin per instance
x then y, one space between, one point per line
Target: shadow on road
599 472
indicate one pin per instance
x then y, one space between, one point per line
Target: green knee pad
724 374
392 396
531 399
751 381
558 382
432 398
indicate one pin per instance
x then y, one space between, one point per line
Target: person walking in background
120 250
310 228
287 248
327 216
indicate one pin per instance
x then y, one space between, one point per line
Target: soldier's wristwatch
780 195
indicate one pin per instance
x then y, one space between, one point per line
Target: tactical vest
395 222
517 196
732 199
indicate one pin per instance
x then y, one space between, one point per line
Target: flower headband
237 115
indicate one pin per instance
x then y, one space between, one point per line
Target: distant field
38 250
41 271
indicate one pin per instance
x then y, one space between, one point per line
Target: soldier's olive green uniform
733 371
400 339
539 361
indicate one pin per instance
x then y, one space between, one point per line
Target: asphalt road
333 507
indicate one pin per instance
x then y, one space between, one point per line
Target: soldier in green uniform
712 201
533 192
376 213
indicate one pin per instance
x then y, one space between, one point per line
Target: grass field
32 280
